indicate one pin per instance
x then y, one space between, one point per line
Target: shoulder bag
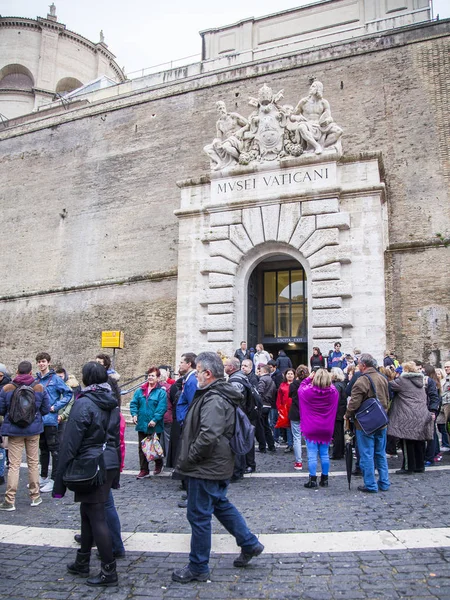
83 475
371 415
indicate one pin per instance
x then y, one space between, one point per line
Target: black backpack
243 438
22 410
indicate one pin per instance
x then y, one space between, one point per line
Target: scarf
318 408
25 379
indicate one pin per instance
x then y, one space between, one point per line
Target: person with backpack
242 384
206 460
23 403
59 395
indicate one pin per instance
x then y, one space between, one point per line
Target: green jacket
149 409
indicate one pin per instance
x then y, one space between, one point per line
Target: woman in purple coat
318 401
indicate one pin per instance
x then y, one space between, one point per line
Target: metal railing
166 66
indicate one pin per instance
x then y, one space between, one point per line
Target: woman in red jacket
284 402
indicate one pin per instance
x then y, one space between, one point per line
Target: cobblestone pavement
271 506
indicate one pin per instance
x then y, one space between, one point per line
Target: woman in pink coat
318 401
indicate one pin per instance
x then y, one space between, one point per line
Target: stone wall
87 197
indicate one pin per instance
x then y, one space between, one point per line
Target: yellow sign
112 339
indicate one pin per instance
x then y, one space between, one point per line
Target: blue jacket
58 392
42 408
187 395
149 409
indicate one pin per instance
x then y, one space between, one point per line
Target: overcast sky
143 33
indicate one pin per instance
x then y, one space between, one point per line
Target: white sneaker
36 502
43 480
48 487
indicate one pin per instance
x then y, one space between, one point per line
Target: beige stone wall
113 168
69 326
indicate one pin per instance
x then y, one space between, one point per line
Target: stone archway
330 227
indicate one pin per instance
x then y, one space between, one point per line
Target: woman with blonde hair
318 401
409 418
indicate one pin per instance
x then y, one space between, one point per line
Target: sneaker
7 506
43 480
245 557
158 469
48 487
445 448
143 475
438 458
391 455
36 501
428 463
185 575
298 466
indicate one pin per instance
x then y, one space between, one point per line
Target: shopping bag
283 419
152 448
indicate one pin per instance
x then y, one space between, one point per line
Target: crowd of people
193 417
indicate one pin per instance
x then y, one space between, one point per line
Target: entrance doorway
277 308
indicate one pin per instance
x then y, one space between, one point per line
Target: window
285 305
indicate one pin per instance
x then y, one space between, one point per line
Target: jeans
297 440
273 418
49 444
372 450
205 498
313 448
2 461
113 522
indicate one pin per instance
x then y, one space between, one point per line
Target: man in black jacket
206 461
242 353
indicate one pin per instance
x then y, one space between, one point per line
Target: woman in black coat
338 380
93 430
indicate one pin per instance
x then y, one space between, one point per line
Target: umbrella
348 438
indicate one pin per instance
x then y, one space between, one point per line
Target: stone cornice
155 276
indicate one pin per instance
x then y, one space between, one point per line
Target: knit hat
3 369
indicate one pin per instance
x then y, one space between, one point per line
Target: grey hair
234 362
212 362
337 374
368 360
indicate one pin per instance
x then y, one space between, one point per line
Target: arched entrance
278 308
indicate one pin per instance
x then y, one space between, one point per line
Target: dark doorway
278 308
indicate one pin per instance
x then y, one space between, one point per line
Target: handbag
83 475
151 447
371 415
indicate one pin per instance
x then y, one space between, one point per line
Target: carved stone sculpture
274 131
227 146
314 123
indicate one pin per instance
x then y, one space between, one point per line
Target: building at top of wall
40 58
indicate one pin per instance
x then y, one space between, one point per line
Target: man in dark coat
206 461
242 353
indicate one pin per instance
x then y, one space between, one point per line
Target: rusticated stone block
252 221
304 229
216 323
220 309
225 249
218 264
341 220
330 271
332 318
326 333
289 216
219 280
319 239
331 288
220 336
270 216
319 207
216 234
229 217
218 296
330 254
327 302
239 237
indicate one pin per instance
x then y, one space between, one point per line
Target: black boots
323 481
107 576
312 483
81 565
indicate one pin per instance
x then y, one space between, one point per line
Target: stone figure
227 146
274 131
102 37
52 8
314 123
